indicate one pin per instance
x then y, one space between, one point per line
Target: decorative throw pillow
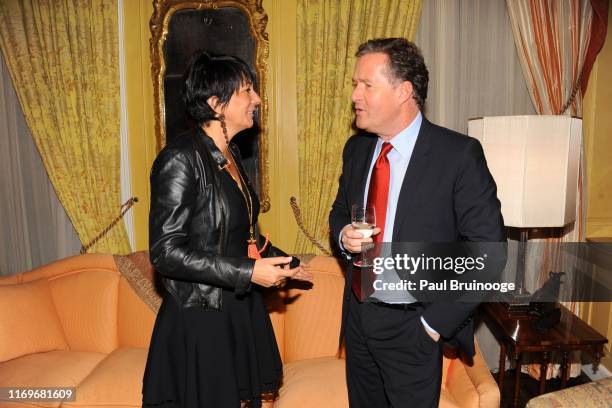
140 275
28 320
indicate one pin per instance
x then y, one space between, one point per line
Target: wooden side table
517 337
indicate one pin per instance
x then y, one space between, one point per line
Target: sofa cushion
317 382
135 320
447 400
116 381
30 323
321 382
50 369
86 302
460 386
317 310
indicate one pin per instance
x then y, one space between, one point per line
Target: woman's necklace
252 250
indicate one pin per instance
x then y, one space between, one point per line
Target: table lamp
534 161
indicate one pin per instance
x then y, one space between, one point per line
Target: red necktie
378 194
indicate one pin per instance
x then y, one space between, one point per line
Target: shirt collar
404 141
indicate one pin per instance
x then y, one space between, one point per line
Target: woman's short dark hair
212 75
406 63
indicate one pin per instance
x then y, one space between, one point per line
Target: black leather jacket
188 224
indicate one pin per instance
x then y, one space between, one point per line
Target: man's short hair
406 63
209 75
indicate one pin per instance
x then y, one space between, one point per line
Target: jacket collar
216 154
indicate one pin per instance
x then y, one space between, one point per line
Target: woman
213 344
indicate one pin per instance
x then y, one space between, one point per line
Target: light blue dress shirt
399 159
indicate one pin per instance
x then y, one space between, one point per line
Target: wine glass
363 219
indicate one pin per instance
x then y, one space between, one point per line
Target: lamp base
516 303
547 315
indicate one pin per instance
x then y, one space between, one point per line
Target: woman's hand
270 272
302 273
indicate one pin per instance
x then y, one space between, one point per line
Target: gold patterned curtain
328 34
64 62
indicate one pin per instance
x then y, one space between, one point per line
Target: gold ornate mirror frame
163 11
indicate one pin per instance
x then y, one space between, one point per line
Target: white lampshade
534 161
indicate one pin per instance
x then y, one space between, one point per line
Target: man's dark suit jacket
448 194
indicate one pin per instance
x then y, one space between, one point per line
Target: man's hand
352 239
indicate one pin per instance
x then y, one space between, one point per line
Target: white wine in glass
363 219
364 228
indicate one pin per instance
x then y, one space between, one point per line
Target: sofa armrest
473 386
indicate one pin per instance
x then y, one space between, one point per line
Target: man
427 184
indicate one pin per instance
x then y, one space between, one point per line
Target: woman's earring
224 127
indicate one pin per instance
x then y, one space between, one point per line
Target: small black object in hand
295 262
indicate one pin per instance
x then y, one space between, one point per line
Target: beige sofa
84 322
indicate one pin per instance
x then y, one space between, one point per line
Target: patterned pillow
595 394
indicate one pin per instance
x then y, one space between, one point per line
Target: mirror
233 27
